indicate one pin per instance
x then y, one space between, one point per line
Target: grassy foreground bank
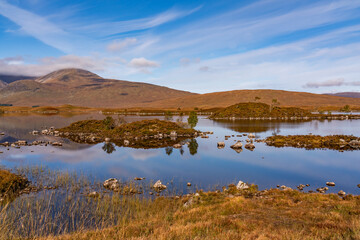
272 215
67 211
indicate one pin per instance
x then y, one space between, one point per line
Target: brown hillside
82 88
285 98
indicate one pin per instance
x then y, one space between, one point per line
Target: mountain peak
68 75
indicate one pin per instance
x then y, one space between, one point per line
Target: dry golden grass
275 215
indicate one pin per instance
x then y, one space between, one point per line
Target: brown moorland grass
275 214
285 98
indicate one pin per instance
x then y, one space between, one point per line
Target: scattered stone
173 134
178 145
241 185
330 184
322 189
138 178
94 194
250 146
220 145
237 145
189 184
126 142
188 203
358 185
158 186
341 193
251 135
285 188
107 140
112 184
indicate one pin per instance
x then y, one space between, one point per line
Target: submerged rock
220 144
112 184
139 178
330 184
94 194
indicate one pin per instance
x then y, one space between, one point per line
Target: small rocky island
335 142
263 111
141 134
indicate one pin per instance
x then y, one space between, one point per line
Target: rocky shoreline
306 118
334 142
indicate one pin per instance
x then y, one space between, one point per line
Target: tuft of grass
10 183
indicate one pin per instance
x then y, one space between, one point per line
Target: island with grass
263 111
140 134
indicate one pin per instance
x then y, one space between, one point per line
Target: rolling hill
83 88
284 98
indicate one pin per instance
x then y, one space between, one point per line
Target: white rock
159 186
241 185
112 184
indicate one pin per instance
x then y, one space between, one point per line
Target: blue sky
199 46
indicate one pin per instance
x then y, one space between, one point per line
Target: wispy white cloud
37 26
331 83
106 28
118 45
143 63
48 64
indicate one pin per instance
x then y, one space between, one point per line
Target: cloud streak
331 83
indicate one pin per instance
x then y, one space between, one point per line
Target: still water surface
201 163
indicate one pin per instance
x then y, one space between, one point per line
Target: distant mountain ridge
345 94
82 88
11 78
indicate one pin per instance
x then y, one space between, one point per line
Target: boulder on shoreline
112 184
158 186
